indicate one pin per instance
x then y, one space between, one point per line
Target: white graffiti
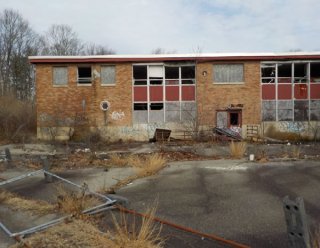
117 116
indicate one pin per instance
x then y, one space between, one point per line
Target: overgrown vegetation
17 119
272 132
237 149
83 233
144 165
17 202
74 202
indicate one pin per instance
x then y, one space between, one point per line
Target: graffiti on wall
117 115
292 126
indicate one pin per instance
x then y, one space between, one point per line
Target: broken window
268 73
301 110
60 75
268 110
140 106
234 118
108 74
140 113
140 74
156 113
172 75
156 74
300 72
284 73
228 73
187 74
315 72
84 75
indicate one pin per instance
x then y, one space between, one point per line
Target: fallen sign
227 132
107 204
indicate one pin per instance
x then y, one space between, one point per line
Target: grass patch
272 132
16 202
83 233
145 165
237 149
74 202
145 235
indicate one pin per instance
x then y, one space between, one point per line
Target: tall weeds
17 118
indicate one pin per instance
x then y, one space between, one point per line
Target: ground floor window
290 91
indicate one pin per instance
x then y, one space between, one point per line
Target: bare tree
93 49
61 40
160 50
17 42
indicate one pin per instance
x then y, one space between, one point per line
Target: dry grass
237 149
74 202
315 239
82 233
17 118
118 160
148 165
296 152
144 165
147 235
287 136
77 233
16 202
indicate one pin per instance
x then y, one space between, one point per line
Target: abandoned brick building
128 97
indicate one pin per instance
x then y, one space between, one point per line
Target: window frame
67 79
115 75
232 82
91 77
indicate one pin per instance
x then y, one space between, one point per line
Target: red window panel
284 91
315 91
188 93
156 93
172 93
140 94
268 92
300 91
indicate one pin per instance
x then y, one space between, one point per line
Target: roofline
174 57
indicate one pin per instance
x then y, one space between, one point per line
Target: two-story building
127 97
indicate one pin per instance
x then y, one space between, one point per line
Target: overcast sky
139 26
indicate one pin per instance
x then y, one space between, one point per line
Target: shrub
17 118
237 149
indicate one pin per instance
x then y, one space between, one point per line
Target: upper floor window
60 75
228 73
84 75
108 75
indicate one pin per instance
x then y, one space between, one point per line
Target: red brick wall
211 96
66 101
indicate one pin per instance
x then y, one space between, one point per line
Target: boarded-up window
285 110
172 112
268 110
60 75
108 74
188 111
228 73
301 110
315 110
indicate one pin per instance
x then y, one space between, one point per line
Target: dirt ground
89 163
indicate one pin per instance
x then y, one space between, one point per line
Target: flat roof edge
173 57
